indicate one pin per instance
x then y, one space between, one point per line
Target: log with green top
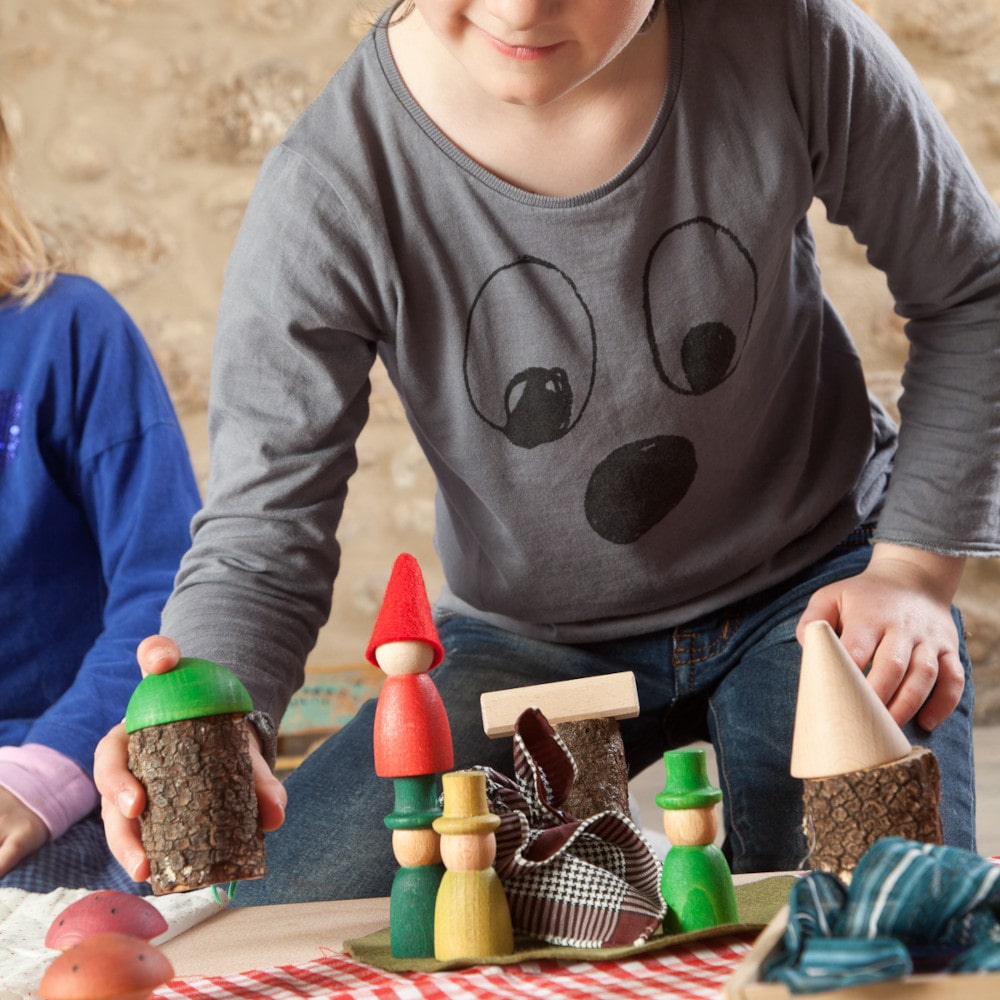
189 747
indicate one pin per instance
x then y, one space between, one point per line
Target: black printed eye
530 353
699 295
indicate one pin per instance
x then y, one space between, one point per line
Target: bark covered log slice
200 826
845 814
602 771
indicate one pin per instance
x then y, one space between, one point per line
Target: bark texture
845 814
200 825
602 770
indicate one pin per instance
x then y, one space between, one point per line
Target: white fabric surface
25 918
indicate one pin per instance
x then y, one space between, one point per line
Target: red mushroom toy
105 911
106 967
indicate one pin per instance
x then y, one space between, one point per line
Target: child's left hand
896 615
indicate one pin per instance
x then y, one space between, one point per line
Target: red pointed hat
406 612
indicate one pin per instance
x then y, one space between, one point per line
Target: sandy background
141 125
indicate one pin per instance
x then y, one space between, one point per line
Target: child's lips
523 53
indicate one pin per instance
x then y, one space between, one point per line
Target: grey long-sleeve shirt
638 403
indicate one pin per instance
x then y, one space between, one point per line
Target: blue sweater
96 495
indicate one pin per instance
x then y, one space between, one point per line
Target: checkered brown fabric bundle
580 883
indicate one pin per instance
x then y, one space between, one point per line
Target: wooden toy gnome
472 916
412 743
189 748
862 780
417 848
697 884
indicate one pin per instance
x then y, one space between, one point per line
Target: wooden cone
200 826
861 778
840 724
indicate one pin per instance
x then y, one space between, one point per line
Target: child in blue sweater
96 495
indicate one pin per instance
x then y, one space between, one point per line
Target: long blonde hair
27 265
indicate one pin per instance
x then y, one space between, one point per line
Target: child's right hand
22 831
123 798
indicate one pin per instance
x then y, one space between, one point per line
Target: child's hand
22 831
123 798
896 615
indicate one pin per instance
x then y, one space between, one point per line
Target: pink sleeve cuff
49 784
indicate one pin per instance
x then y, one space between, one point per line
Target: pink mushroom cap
107 910
106 967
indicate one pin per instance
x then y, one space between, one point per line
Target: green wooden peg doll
697 884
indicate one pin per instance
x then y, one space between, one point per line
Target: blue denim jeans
730 677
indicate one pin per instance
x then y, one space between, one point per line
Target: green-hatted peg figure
417 848
697 884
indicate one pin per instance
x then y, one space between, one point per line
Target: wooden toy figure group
447 901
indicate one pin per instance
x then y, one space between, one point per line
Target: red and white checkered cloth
683 973
690 973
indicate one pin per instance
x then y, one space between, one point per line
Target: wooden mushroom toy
585 713
108 966
861 778
104 911
189 747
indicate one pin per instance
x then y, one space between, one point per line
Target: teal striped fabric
910 907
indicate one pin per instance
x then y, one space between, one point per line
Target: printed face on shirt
532 52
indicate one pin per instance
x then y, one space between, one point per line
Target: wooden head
416 848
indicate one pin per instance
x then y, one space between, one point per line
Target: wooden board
610 696
745 982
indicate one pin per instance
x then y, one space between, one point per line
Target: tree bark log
200 825
845 814
602 770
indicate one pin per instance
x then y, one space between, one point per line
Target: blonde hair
27 265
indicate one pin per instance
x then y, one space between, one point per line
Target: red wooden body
412 735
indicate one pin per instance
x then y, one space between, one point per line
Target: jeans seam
732 832
694 655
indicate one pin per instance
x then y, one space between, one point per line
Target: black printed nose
637 485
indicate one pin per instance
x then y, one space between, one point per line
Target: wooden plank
610 696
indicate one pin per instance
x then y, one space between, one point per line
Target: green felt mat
756 903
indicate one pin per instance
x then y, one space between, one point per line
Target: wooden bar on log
585 714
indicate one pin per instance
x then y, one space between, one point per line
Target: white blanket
25 918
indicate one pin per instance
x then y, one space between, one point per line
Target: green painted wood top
193 689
